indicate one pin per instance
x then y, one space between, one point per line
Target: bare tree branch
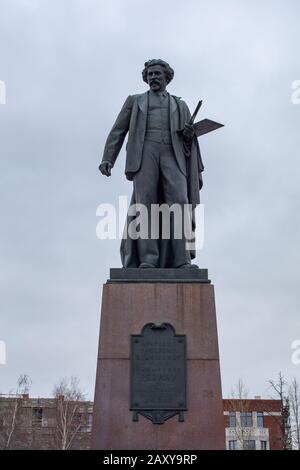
69 420
294 397
279 387
9 417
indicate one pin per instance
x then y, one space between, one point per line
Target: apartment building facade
256 424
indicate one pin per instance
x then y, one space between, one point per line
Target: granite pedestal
131 299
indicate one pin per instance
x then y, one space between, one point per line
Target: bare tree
239 404
9 414
294 397
68 418
279 386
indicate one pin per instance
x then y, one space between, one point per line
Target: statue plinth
183 298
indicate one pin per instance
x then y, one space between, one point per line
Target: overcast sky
68 66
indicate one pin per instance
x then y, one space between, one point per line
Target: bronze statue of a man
163 161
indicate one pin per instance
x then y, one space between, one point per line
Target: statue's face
156 78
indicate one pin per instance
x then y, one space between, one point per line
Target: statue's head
158 74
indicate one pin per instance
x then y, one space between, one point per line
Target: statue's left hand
188 132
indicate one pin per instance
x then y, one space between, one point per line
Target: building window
260 419
232 445
80 421
89 423
263 445
249 444
246 420
232 419
85 422
37 416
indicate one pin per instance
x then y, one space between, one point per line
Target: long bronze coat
132 119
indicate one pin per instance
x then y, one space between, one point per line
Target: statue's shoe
146 265
188 266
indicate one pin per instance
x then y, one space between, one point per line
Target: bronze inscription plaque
158 373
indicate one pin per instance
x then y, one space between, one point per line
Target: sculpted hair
169 72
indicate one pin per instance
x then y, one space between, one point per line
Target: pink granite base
190 308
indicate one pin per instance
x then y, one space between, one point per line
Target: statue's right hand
105 168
